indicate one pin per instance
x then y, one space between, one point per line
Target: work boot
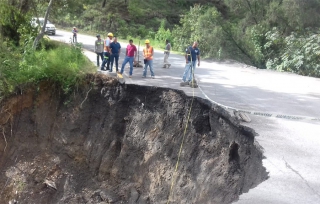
184 83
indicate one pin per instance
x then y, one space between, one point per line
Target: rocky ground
113 143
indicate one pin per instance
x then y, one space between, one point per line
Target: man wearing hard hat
106 52
148 59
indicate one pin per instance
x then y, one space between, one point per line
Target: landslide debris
112 143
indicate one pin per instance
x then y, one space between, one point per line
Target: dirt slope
112 143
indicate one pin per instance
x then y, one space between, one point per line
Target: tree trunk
41 34
24 6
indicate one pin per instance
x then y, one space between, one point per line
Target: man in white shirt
106 52
166 55
98 49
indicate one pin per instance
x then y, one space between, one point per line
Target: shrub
301 55
162 34
9 65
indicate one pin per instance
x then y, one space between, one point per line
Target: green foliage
301 55
255 43
139 31
189 29
9 61
211 36
142 31
274 34
162 34
65 65
136 10
14 25
123 30
205 25
277 34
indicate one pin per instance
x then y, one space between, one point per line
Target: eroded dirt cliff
112 143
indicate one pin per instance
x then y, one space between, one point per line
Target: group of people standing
108 51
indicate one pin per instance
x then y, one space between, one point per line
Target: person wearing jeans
192 55
189 71
150 64
98 49
131 53
106 52
115 52
148 59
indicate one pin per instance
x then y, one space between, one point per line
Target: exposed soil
112 143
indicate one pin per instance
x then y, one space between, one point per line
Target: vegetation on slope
65 65
21 64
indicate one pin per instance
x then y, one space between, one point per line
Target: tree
42 32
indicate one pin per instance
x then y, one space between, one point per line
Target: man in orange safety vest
148 59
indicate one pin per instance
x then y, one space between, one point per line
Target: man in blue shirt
115 52
192 55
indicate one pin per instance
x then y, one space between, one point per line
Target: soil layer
113 143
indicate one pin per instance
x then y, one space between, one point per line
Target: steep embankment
111 143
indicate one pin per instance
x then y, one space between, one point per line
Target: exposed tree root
5 140
85 97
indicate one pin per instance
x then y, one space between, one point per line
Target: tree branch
253 14
41 34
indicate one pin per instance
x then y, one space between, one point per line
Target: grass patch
63 64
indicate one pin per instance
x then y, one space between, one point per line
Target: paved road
292 148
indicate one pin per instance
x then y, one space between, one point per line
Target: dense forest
274 34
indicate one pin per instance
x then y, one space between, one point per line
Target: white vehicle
50 28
